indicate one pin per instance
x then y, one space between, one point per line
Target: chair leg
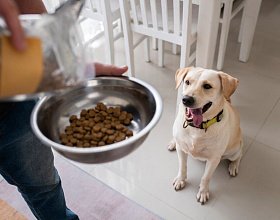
128 37
241 28
129 51
109 39
154 43
160 53
120 26
147 49
175 49
224 33
108 32
185 53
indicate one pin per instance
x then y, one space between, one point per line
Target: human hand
10 12
109 70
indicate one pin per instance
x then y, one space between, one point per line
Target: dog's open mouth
195 114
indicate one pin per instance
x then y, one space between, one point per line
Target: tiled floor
146 175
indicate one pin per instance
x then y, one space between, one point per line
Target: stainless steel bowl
51 115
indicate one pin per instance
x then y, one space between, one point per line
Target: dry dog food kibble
97 126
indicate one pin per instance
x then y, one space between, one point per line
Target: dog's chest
197 145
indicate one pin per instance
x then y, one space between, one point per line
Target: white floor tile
269 133
137 193
255 192
254 99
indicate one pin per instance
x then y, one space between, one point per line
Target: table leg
207 31
251 12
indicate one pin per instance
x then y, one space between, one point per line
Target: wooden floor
85 195
7 212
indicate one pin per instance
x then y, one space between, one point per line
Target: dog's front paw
172 145
179 183
202 196
233 168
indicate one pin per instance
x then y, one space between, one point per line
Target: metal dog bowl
51 115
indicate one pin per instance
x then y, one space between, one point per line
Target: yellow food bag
20 72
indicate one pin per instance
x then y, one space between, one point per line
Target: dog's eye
187 82
207 86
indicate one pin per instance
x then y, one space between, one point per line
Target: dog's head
204 91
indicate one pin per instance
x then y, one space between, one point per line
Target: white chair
152 18
51 5
108 13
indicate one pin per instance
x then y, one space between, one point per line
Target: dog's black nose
188 100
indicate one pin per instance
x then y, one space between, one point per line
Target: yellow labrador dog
207 127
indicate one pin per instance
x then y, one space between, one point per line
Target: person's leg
26 163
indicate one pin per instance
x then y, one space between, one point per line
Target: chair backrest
167 20
93 10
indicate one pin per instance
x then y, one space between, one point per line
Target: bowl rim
134 138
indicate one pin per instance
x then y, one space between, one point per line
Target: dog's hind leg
172 145
233 167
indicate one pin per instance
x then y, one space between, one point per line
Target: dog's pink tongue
197 116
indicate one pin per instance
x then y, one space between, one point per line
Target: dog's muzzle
194 115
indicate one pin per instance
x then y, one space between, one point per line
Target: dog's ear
229 84
180 75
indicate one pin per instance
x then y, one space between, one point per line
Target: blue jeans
26 163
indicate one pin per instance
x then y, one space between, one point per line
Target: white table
207 30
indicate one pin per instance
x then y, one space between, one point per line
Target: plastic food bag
65 60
